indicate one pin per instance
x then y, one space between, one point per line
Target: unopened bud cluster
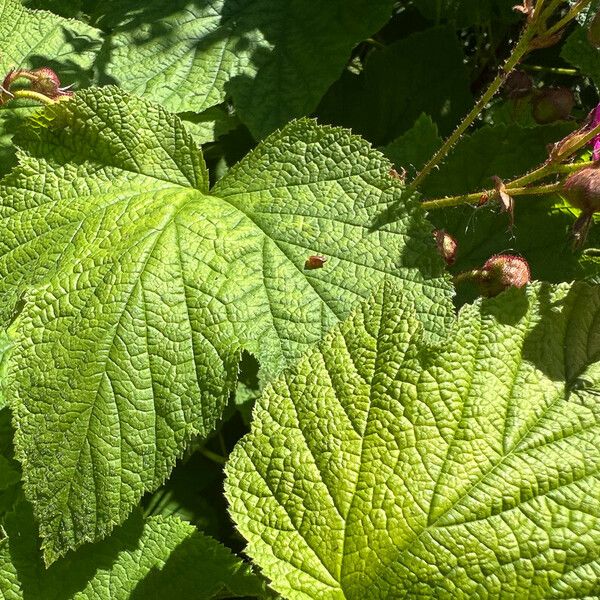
33 84
548 104
498 273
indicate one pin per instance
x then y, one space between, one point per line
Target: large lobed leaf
140 287
378 468
275 59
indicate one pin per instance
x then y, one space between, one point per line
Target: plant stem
475 197
522 47
573 12
213 456
31 95
548 169
518 52
553 70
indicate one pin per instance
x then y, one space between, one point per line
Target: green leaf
140 287
413 149
209 125
154 558
541 234
9 579
399 83
5 345
30 38
10 472
378 468
64 8
276 60
581 54
11 116
34 39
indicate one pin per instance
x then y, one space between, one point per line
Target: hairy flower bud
552 104
46 81
502 271
446 245
582 189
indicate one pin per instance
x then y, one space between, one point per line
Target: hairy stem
533 27
518 52
476 197
31 95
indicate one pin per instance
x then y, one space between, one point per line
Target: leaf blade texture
376 468
140 287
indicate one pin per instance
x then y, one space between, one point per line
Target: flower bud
446 245
502 271
582 189
552 104
518 85
45 81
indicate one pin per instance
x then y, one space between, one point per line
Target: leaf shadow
560 323
69 71
174 579
69 575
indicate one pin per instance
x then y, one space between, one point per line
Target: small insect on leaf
316 261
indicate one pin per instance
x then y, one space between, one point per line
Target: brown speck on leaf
316 261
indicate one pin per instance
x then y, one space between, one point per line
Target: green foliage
153 558
201 273
411 150
379 102
274 59
123 323
33 39
378 468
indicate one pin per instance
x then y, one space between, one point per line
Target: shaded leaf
415 147
30 38
578 51
154 558
276 60
399 83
